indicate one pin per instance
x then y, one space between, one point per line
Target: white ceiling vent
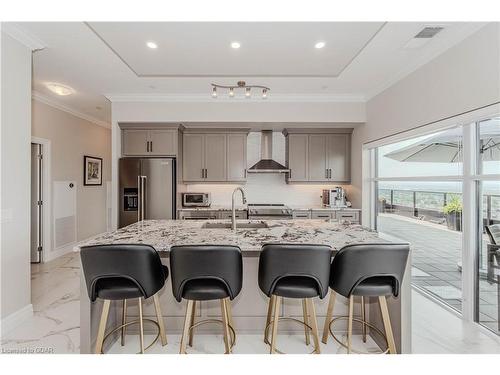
428 32
423 37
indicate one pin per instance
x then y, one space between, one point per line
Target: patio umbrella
447 147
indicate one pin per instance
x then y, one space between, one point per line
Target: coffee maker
334 198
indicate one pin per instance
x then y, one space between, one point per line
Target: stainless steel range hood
266 164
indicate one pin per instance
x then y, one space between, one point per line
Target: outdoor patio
436 254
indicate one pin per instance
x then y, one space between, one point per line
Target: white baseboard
15 319
51 255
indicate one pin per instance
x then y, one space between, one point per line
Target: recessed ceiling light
235 45
152 45
60 89
319 45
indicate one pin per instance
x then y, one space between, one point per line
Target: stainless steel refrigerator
147 189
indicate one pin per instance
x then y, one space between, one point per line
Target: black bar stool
299 271
366 270
204 273
121 272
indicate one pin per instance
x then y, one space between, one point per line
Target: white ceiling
111 59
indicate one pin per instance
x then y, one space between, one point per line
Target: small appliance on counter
196 200
335 198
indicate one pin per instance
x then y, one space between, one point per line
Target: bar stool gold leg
229 310
363 317
159 317
329 314
314 325
269 313
124 320
276 309
191 333
185 331
102 326
306 321
141 325
387 324
349 324
227 338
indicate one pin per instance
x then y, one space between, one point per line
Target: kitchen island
250 307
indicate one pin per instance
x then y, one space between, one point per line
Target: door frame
46 197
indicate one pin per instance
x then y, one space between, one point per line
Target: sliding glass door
419 200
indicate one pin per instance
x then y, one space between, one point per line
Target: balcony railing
428 206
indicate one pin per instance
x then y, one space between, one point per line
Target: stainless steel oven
269 211
196 199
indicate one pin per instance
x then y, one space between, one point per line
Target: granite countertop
162 234
244 208
212 208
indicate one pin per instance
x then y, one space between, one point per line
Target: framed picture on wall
92 171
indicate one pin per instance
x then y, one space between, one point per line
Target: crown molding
50 102
12 29
207 98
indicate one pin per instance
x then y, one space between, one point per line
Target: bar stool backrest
494 233
356 263
212 262
278 261
139 263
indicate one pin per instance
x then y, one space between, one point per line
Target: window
420 186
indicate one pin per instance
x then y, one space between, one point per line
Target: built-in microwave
196 199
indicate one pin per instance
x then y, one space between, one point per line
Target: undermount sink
257 225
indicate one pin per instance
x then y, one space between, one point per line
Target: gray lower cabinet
320 214
322 155
214 156
301 214
351 215
149 142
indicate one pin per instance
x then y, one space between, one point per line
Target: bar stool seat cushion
204 290
120 288
375 286
297 287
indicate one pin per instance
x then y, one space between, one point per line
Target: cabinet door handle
150 146
147 146
206 173
326 173
202 173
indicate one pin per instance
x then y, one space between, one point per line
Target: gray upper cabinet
317 158
214 156
157 142
193 157
135 142
297 159
338 157
236 157
318 155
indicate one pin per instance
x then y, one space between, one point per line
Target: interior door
36 203
193 157
338 157
317 157
215 157
158 177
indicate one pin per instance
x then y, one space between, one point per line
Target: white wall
265 187
71 138
464 78
15 184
